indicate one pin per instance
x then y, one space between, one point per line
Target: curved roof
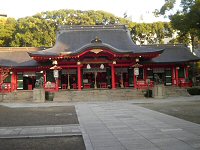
173 54
75 39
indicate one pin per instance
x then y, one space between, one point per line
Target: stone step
176 91
98 95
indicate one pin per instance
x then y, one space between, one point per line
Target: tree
186 20
34 31
152 33
40 30
7 28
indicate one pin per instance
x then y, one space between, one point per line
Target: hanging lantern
114 62
88 66
55 62
102 66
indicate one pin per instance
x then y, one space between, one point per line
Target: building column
134 79
177 68
113 76
13 81
173 76
186 72
79 77
45 78
57 87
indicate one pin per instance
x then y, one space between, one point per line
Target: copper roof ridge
84 27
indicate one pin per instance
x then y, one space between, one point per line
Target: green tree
34 31
40 30
186 20
7 29
152 33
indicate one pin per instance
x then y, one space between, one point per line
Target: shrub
194 91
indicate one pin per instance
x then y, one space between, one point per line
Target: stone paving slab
40 131
125 126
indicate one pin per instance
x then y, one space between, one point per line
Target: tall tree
151 33
186 20
40 29
7 29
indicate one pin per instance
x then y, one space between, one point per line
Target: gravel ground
37 116
187 110
58 143
40 116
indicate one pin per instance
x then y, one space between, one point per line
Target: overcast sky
138 10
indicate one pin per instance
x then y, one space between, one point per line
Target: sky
137 10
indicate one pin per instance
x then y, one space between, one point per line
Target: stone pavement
117 125
125 126
40 131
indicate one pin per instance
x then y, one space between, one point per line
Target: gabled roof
16 59
76 39
173 54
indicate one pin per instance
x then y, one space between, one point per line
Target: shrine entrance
29 79
68 79
95 77
124 77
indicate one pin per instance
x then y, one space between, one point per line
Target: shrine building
95 57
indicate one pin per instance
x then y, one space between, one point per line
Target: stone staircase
98 95
173 91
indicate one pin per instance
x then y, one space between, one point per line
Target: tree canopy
40 30
186 19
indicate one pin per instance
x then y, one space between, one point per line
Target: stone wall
98 95
86 95
17 96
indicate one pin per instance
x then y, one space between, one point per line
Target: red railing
141 84
184 83
50 86
5 87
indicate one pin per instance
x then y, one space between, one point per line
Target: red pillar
135 79
113 76
56 80
186 72
79 77
177 68
13 81
45 78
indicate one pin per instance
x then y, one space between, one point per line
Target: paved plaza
125 126
118 125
